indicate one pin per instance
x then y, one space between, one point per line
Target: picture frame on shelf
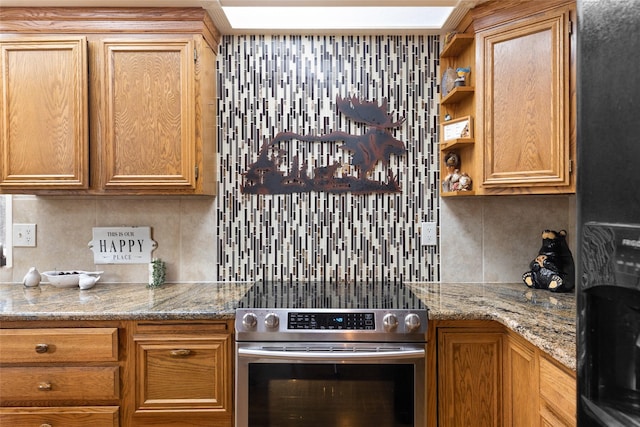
457 129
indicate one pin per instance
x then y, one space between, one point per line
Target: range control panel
344 321
331 325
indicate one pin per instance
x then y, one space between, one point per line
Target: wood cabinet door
524 111
558 404
147 105
520 382
469 378
44 114
174 372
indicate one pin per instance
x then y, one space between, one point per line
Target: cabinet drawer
59 345
557 390
104 416
59 383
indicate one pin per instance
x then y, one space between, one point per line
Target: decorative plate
448 80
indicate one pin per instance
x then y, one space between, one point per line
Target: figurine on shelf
455 180
463 183
463 73
452 162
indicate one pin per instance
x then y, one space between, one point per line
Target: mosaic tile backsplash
271 84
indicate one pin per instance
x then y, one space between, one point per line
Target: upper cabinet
158 114
524 136
147 125
44 113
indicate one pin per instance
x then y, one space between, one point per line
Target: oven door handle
331 355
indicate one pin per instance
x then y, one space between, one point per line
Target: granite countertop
545 319
130 301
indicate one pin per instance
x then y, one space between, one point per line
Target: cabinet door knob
44 386
180 352
42 348
46 425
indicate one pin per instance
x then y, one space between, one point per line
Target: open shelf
457 193
458 43
456 143
457 94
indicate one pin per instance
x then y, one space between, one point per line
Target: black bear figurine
553 268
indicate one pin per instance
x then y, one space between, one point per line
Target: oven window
337 395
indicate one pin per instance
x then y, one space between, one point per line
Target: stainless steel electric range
319 354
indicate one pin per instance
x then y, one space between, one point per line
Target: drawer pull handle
180 353
46 425
44 386
42 348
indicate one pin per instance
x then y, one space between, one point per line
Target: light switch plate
429 234
24 235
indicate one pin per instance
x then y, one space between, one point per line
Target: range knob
271 320
412 322
249 321
390 322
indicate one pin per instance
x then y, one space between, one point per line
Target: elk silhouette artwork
376 145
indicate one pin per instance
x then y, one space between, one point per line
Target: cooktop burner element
331 311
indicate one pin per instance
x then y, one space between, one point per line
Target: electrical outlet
24 235
429 234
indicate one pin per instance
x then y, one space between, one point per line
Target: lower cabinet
520 382
488 375
64 375
182 375
469 376
121 373
557 394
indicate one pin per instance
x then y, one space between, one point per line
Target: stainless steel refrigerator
608 213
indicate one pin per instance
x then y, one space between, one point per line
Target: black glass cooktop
331 295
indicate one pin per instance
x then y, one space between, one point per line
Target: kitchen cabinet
487 375
522 98
183 374
59 376
557 394
526 103
44 108
147 125
469 374
520 382
116 373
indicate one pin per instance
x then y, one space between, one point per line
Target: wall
272 84
493 239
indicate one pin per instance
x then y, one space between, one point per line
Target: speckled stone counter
546 319
121 301
543 318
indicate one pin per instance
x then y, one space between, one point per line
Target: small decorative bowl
66 279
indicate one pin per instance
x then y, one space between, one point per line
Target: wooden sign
122 245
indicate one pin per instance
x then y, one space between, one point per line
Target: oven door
330 384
